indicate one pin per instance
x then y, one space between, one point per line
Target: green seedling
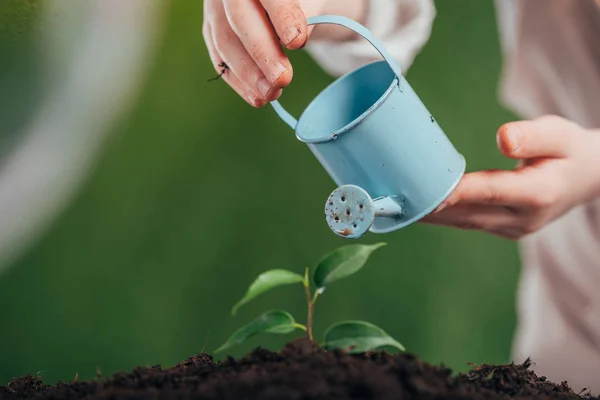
350 336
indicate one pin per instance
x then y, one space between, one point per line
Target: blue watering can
392 162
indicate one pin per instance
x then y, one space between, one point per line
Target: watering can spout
350 211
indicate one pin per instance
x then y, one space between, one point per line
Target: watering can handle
357 28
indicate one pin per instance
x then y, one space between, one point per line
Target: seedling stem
311 306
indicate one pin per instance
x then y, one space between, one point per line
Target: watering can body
392 162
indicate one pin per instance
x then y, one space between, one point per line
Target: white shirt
551 65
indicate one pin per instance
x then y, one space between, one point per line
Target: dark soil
302 371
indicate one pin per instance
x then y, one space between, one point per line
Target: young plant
351 336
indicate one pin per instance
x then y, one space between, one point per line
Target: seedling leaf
267 281
342 262
358 337
275 321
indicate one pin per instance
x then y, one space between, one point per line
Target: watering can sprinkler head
350 211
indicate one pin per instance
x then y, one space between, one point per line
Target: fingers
229 76
250 22
548 136
494 187
228 48
289 22
515 203
239 33
496 220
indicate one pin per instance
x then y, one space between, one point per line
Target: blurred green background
196 193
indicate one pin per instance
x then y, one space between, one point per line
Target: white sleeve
402 26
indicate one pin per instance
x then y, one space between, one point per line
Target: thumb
289 21
544 137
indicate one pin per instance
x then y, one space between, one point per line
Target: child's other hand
247 35
559 168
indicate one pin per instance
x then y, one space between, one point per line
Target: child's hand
559 168
247 35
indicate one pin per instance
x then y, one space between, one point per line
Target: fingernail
277 71
512 135
252 99
290 34
277 94
263 87
441 207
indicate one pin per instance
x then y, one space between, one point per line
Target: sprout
350 336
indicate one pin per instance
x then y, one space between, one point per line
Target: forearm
353 9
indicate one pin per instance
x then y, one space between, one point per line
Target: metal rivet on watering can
350 211
392 162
